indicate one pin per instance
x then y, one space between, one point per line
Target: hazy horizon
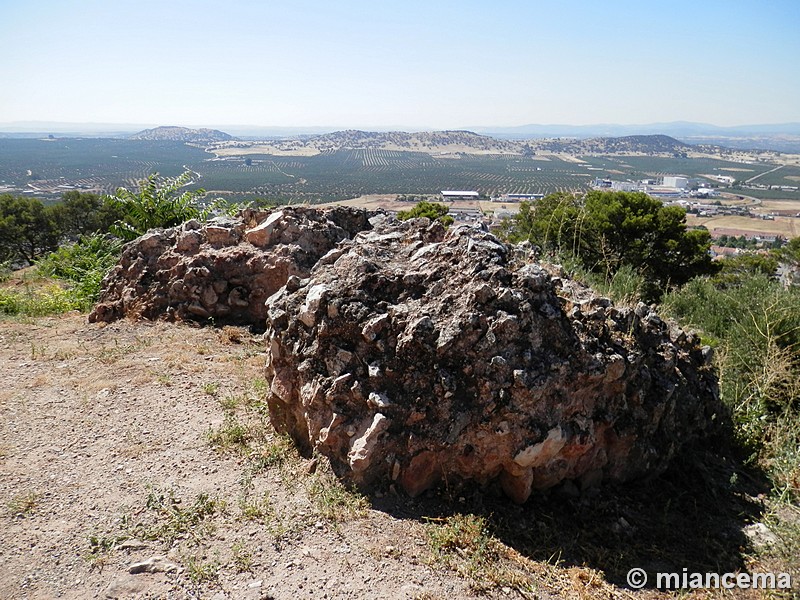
41 126
411 65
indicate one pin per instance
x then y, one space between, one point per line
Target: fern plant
83 264
158 203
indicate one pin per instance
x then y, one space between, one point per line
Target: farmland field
767 194
638 167
785 227
49 167
785 175
96 164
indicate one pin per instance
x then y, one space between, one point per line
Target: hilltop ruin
411 355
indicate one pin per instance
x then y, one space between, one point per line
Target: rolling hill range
182 134
431 141
352 163
455 142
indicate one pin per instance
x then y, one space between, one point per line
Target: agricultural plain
49 167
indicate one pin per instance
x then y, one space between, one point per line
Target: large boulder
224 269
418 355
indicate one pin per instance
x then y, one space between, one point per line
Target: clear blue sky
416 64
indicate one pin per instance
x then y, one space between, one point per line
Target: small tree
605 231
82 213
28 229
432 210
158 203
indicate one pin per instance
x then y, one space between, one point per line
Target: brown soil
106 460
97 424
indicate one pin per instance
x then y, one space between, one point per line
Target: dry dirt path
106 461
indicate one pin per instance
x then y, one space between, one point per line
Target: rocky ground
136 461
119 446
141 459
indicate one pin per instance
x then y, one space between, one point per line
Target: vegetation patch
334 500
200 571
434 211
169 518
606 231
50 299
23 505
463 544
83 265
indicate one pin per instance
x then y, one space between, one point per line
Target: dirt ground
107 460
785 226
136 461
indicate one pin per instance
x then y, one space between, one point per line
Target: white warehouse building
676 181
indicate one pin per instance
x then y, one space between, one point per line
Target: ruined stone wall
417 355
222 270
411 355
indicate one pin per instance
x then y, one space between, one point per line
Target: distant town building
723 251
517 197
460 195
706 193
663 191
676 181
624 186
465 213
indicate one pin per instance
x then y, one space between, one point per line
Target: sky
411 64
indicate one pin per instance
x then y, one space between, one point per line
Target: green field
767 194
787 175
95 163
52 166
638 167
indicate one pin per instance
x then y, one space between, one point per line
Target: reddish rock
419 355
223 270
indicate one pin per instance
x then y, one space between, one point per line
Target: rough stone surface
154 564
225 269
418 356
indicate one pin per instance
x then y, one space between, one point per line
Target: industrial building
517 197
676 181
459 195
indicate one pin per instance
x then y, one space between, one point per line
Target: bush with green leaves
754 324
431 210
28 229
84 213
606 231
5 271
83 264
37 301
159 203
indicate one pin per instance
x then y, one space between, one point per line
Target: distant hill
783 137
637 144
455 143
426 141
183 134
469 142
677 129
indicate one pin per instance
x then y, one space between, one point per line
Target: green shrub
83 264
432 210
158 203
5 271
624 287
49 300
755 325
607 231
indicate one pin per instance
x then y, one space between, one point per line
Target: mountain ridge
457 142
182 134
